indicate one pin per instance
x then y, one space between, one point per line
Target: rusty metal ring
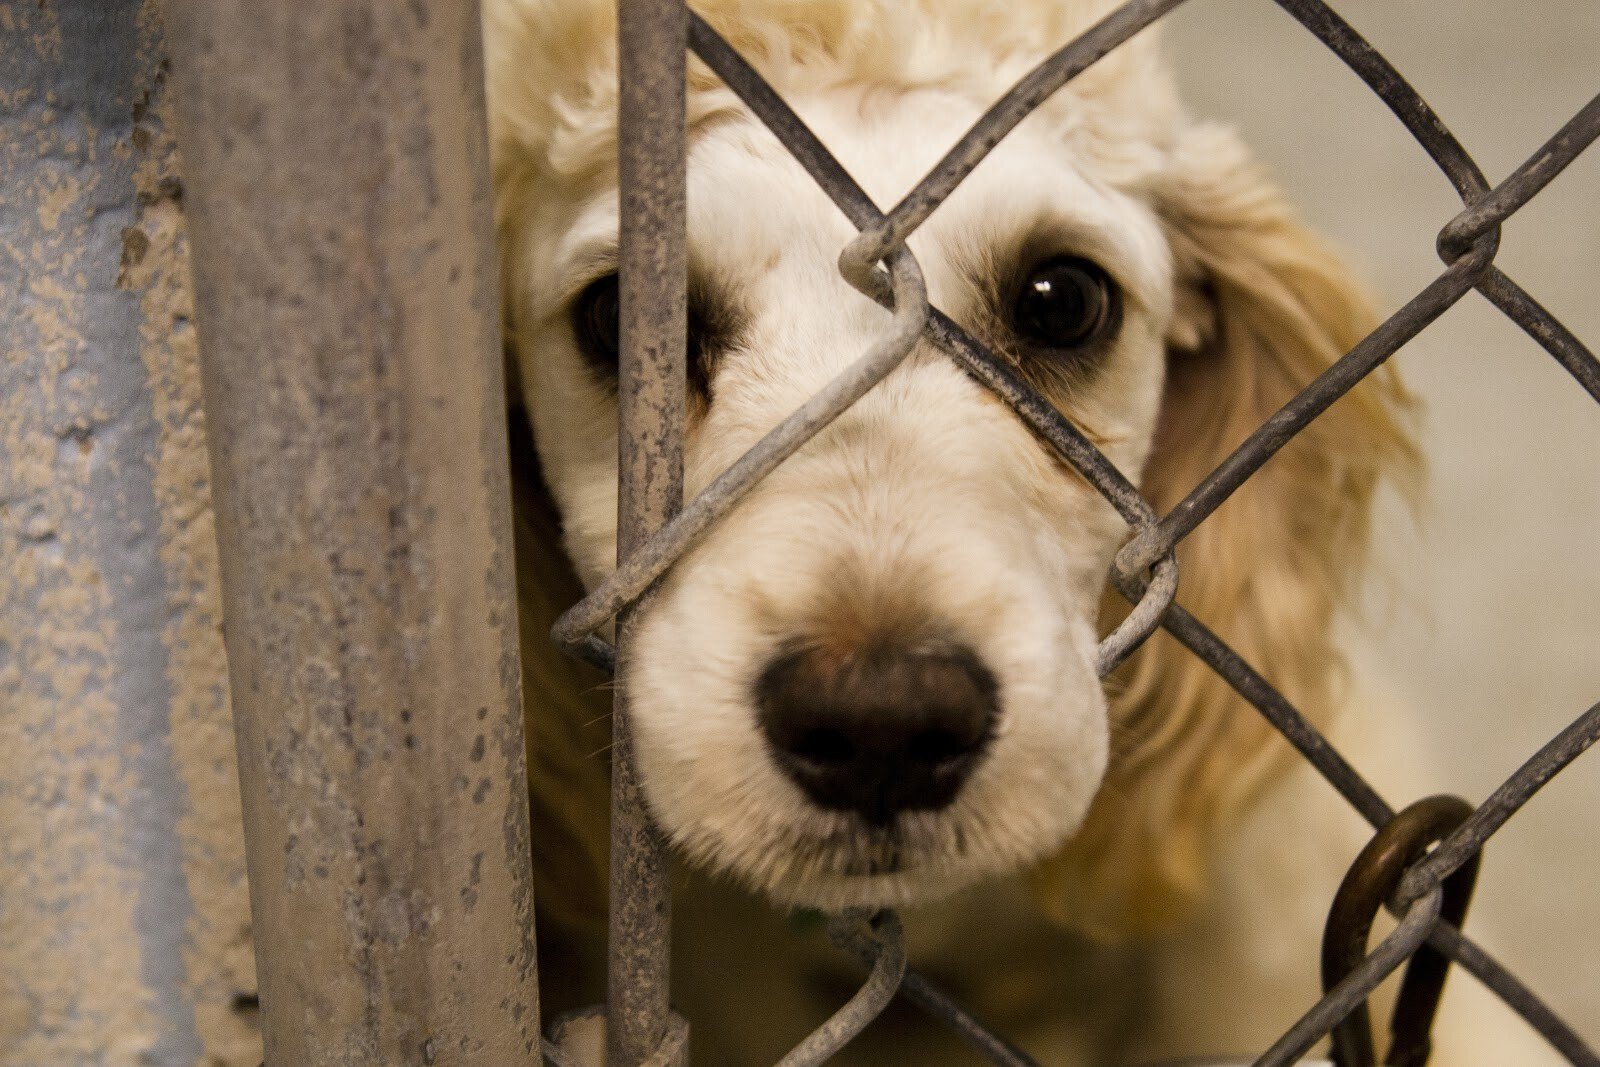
1367 887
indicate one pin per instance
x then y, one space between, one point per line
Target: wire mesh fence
1423 859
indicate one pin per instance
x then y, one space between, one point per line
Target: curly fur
1243 307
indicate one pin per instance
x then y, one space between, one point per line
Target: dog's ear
1263 307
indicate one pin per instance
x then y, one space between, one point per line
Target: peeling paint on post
124 919
337 187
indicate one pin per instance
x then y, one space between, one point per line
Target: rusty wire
1354 989
1370 882
882 947
878 263
651 388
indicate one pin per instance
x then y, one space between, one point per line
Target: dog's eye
595 322
1064 304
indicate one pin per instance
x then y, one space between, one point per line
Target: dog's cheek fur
1266 307
883 525
714 789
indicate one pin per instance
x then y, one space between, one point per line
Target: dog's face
875 679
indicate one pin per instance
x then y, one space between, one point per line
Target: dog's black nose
879 731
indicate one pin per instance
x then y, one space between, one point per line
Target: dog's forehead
752 206
887 141
754 213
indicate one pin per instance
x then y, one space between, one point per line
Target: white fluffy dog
873 683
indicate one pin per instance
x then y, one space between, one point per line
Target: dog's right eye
595 322
1065 305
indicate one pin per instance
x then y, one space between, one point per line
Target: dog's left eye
1065 303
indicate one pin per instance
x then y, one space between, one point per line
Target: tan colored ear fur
1264 306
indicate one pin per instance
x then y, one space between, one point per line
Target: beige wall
1486 616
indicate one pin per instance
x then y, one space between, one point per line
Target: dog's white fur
927 501
930 501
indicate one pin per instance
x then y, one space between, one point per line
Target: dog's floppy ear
1263 307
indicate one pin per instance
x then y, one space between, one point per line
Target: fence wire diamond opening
1439 839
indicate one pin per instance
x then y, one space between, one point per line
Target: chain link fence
1421 863
354 815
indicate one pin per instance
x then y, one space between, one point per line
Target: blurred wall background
1486 613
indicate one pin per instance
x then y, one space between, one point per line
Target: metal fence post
348 310
652 58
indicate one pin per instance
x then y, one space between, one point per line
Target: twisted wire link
1497 205
1282 425
1467 244
1151 600
848 196
883 944
1367 885
1145 572
1001 118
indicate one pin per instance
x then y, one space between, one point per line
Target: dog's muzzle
880 730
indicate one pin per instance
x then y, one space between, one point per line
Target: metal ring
1370 882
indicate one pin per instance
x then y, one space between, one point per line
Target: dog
873 683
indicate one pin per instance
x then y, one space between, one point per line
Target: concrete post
124 918
337 185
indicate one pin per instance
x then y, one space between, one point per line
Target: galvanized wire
636 573
1492 208
1002 117
1381 962
859 942
885 946
878 263
1503 803
937 1003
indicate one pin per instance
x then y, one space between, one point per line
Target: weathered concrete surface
337 189
124 922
